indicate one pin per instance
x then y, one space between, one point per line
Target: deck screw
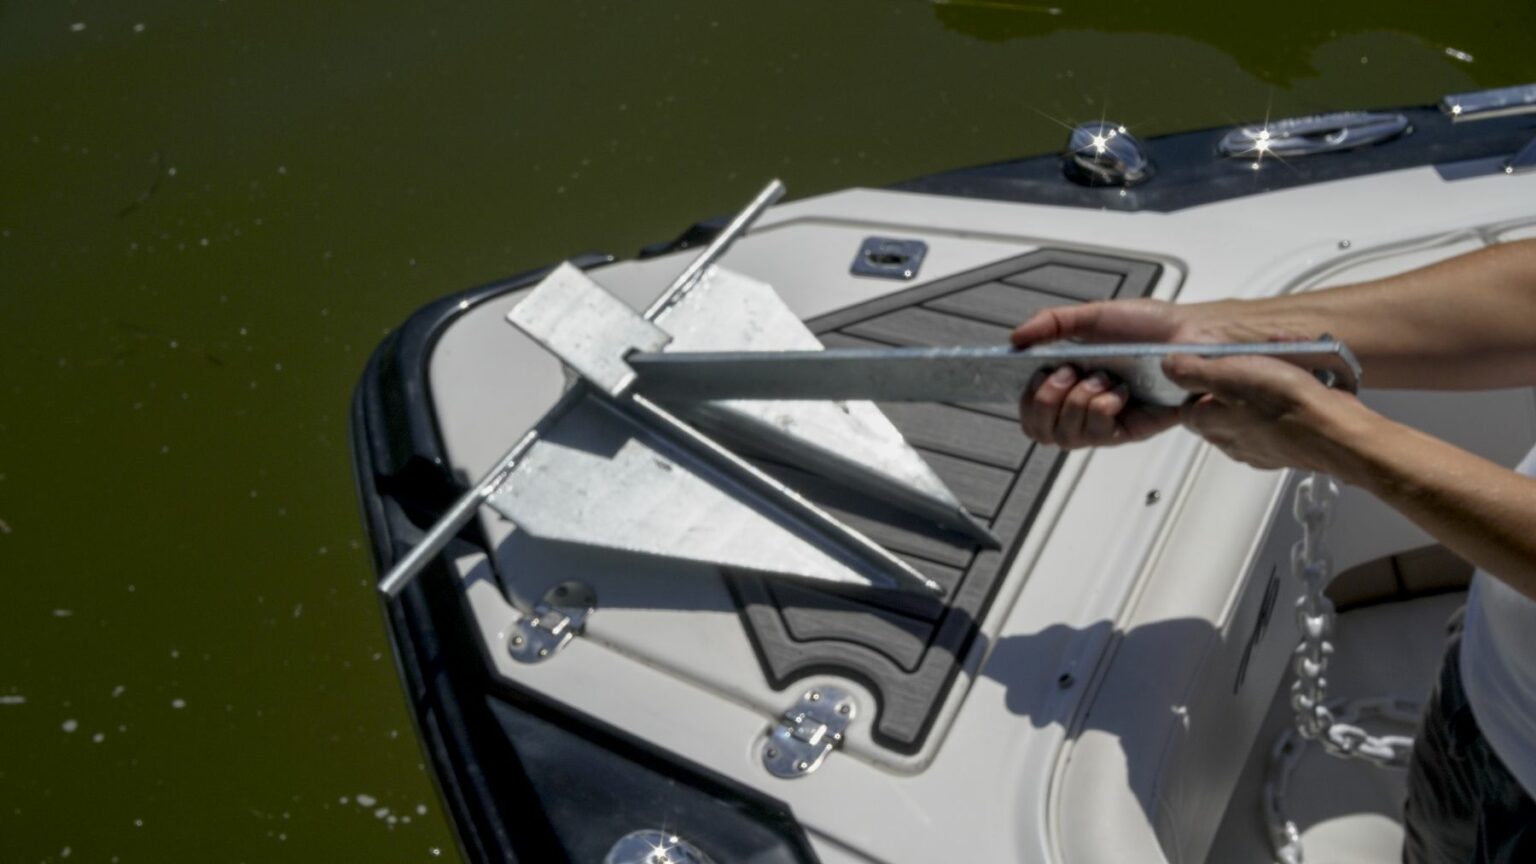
773 753
844 709
543 652
802 766
517 640
1153 497
1345 244
814 695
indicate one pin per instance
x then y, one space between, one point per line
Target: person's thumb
1058 322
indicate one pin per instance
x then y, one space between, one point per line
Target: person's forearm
1465 323
1484 512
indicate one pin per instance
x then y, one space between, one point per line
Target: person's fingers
1108 417
1032 417
1045 409
1104 414
1070 421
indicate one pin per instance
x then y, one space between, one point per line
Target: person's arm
1465 323
1271 414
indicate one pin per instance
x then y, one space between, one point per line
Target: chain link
1333 725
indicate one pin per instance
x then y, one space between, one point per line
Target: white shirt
1498 666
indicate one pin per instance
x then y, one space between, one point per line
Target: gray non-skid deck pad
906 648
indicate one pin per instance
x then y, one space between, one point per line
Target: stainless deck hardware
654 847
889 258
553 623
1487 104
1305 136
809 730
1104 154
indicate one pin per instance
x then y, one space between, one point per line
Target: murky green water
211 211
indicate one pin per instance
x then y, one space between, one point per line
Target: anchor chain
1332 724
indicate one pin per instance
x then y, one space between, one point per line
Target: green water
210 212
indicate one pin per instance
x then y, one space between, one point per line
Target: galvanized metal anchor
608 466
633 456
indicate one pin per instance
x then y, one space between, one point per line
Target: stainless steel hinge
808 731
553 623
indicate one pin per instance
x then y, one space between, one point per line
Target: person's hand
1070 409
1268 413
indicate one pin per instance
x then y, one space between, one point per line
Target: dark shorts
1464 807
